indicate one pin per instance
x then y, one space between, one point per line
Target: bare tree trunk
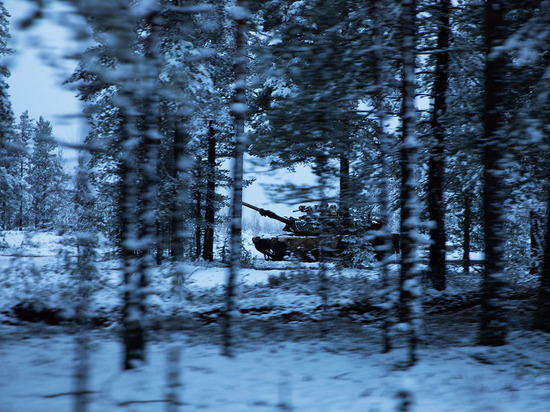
345 195
536 246
210 205
493 326
238 109
133 330
383 138
410 307
466 233
22 196
198 211
542 313
176 216
140 242
436 205
160 242
87 271
321 171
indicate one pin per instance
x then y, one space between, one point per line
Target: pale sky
37 86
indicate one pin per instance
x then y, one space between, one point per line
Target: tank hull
305 247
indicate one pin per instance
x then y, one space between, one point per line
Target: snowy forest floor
289 352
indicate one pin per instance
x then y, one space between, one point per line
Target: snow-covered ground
310 375
283 360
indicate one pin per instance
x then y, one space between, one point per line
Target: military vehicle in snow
312 234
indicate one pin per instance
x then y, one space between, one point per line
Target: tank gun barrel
269 213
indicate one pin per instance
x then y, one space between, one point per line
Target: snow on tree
23 136
46 178
240 15
8 148
410 306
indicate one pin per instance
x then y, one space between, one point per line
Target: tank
304 234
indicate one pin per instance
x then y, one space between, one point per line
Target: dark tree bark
409 282
133 329
436 205
536 246
467 222
176 218
542 313
238 110
21 196
160 242
345 198
198 211
493 326
209 207
345 195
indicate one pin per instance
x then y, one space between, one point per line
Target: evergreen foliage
8 147
46 178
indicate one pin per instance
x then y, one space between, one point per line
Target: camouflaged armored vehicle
305 234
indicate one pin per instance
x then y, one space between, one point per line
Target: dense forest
425 125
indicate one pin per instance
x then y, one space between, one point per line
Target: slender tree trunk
321 171
139 231
383 138
198 221
436 205
409 282
86 246
160 242
150 141
345 195
536 246
21 216
493 326
132 320
176 216
238 109
466 233
542 313
209 207
22 197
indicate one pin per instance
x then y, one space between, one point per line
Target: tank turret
302 226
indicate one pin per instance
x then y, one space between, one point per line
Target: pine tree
23 135
307 106
192 89
46 177
8 151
